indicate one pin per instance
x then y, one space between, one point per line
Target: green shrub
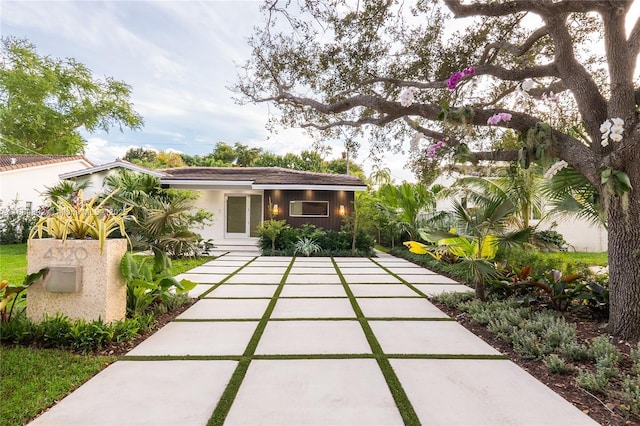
631 395
596 382
529 345
635 359
454 299
550 240
574 351
61 332
601 348
557 365
16 223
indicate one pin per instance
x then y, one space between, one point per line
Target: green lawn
591 259
34 379
13 263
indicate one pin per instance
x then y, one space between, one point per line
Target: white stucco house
241 198
25 177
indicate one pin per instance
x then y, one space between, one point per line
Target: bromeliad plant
80 220
306 246
149 284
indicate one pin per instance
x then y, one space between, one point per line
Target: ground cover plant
569 352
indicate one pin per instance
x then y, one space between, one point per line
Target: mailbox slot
63 279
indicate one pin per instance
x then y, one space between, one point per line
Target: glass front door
243 215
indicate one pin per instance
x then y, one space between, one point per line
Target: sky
179 57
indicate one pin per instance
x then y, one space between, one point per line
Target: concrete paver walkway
313 341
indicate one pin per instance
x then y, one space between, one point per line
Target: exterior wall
96 182
582 235
27 183
335 199
214 201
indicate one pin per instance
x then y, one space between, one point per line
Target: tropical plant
149 284
270 229
163 218
570 194
405 202
65 189
481 231
10 294
80 219
306 246
520 186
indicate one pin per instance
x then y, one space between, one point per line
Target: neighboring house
580 234
25 177
241 198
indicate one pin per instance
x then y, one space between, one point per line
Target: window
309 208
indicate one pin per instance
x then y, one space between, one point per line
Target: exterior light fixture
275 209
342 211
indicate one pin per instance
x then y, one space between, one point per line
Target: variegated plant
80 220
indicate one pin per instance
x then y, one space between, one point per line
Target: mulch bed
604 410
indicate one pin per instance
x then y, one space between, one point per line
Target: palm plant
481 231
404 204
571 194
522 187
163 218
65 190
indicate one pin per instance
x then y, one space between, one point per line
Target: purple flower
496 118
433 149
454 79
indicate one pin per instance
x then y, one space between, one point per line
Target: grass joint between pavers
231 390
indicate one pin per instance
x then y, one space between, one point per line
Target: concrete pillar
101 290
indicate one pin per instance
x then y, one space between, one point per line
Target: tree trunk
624 260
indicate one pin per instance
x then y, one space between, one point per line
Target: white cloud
100 151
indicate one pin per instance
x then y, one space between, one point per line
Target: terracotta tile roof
19 161
260 176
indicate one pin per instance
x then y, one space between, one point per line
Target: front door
243 215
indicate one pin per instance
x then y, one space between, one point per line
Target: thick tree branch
633 43
515 49
547 70
509 155
537 6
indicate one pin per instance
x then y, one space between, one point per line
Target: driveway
314 341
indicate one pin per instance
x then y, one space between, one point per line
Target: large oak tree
45 102
383 69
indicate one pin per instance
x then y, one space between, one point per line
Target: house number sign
66 254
